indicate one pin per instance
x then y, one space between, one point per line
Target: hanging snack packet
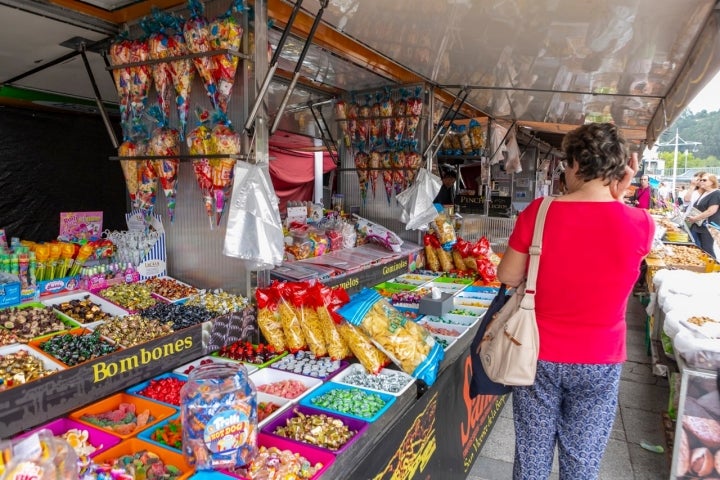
336 346
309 321
289 318
268 318
445 230
406 343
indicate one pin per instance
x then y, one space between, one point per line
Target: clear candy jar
219 417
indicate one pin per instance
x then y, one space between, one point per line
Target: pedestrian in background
645 196
708 204
580 316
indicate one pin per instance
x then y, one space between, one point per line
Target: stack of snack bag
406 343
462 258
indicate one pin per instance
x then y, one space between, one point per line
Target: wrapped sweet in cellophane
134 146
120 54
196 31
165 141
227 141
226 34
200 142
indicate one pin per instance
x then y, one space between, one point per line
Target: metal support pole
298 66
273 67
98 99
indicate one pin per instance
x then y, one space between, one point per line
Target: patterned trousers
571 405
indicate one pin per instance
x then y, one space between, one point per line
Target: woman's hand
618 187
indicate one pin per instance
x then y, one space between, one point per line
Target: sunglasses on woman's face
703 180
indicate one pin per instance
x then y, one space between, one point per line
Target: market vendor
446 195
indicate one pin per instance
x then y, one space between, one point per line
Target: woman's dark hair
600 150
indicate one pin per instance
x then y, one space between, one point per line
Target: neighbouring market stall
379 111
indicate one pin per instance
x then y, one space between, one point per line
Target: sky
709 98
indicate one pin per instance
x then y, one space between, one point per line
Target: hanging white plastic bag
417 201
513 164
254 231
497 143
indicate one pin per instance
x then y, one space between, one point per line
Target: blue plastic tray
147 434
307 401
141 386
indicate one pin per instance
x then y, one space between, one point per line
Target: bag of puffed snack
268 318
431 258
406 343
336 347
309 319
289 318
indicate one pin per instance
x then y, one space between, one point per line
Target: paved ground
643 400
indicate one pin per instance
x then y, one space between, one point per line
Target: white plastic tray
403 378
266 397
460 329
108 307
453 320
266 376
48 363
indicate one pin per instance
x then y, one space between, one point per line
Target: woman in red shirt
591 252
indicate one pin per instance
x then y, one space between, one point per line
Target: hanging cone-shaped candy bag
147 188
387 106
157 50
412 164
387 174
227 141
182 72
374 170
341 116
226 33
141 78
134 146
400 121
165 141
120 54
352 111
200 142
361 166
398 163
197 37
414 109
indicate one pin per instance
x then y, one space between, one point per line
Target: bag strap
535 251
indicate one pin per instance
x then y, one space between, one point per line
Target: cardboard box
59 285
436 306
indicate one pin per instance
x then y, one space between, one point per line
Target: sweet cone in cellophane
120 54
200 142
196 31
141 78
226 141
165 142
226 34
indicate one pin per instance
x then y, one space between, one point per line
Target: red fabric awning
293 174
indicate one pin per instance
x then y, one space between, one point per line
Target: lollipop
197 37
226 33
227 141
82 256
165 141
120 54
55 251
42 254
200 143
67 251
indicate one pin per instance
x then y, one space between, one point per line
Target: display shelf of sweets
137 454
409 300
329 431
284 384
462 301
75 346
133 330
84 308
414 279
451 319
387 289
189 367
31 320
462 309
349 401
258 355
687 257
164 388
86 440
21 364
464 281
434 328
393 382
132 297
278 454
123 415
306 363
170 289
